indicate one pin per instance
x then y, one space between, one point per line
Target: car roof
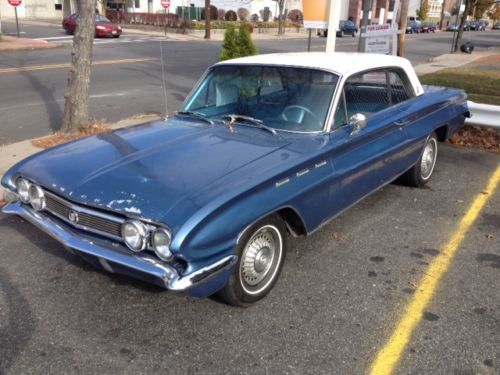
343 63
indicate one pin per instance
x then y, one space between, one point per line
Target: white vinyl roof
342 63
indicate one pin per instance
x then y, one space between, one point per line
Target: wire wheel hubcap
260 259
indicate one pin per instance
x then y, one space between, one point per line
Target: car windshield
282 98
99 18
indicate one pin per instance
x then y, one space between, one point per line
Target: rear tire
421 172
261 254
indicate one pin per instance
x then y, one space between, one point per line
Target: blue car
265 147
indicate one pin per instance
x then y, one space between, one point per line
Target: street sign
15 3
165 4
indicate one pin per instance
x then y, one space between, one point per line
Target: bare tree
207 19
281 7
76 106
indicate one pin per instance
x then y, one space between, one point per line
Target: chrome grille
88 219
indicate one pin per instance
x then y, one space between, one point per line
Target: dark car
429 28
496 26
413 27
345 28
103 26
452 27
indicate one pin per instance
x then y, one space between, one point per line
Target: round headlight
22 187
161 243
36 197
135 235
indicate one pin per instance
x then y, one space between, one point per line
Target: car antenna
164 83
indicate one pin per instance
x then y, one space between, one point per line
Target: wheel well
293 222
442 133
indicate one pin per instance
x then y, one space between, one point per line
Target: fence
154 19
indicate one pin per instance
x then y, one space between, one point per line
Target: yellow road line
389 356
59 66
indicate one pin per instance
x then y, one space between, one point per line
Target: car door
364 159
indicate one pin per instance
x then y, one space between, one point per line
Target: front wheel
261 254
421 172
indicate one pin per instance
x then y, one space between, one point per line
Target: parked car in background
413 27
429 28
496 26
345 28
203 201
103 26
452 27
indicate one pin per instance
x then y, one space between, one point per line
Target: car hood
108 25
147 170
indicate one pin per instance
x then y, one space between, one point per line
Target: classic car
264 146
103 26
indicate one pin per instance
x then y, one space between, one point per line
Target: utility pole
367 4
207 19
402 24
441 20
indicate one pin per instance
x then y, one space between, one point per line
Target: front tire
421 172
261 254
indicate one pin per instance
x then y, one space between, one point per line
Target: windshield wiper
242 119
197 115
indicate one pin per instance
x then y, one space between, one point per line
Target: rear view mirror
358 122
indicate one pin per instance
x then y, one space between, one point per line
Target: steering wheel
297 113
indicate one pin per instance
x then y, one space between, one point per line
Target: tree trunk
458 41
402 26
76 106
441 19
281 5
207 19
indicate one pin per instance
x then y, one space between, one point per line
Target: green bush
237 44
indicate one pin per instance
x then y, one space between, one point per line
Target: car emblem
73 217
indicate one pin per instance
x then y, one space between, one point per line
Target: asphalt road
32 101
338 300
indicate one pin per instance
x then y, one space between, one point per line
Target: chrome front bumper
114 257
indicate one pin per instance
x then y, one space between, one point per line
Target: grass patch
481 84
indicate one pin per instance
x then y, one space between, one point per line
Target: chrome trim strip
319 165
112 253
282 182
302 173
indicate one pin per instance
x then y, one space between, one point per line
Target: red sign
164 3
15 3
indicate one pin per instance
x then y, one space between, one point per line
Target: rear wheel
422 171
261 254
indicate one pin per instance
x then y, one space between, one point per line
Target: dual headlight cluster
30 193
136 234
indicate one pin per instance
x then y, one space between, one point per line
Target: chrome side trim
282 182
320 164
110 253
302 173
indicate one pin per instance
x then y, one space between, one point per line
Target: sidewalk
452 60
10 43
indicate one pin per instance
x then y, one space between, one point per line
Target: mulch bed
60 138
478 137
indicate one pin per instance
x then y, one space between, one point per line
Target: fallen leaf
484 193
460 201
336 236
490 236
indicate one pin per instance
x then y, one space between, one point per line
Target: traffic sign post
15 4
165 4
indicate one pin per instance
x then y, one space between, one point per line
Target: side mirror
358 122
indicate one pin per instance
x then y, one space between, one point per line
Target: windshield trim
331 110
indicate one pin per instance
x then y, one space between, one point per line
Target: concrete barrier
486 115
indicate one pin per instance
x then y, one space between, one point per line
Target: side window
367 93
398 87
